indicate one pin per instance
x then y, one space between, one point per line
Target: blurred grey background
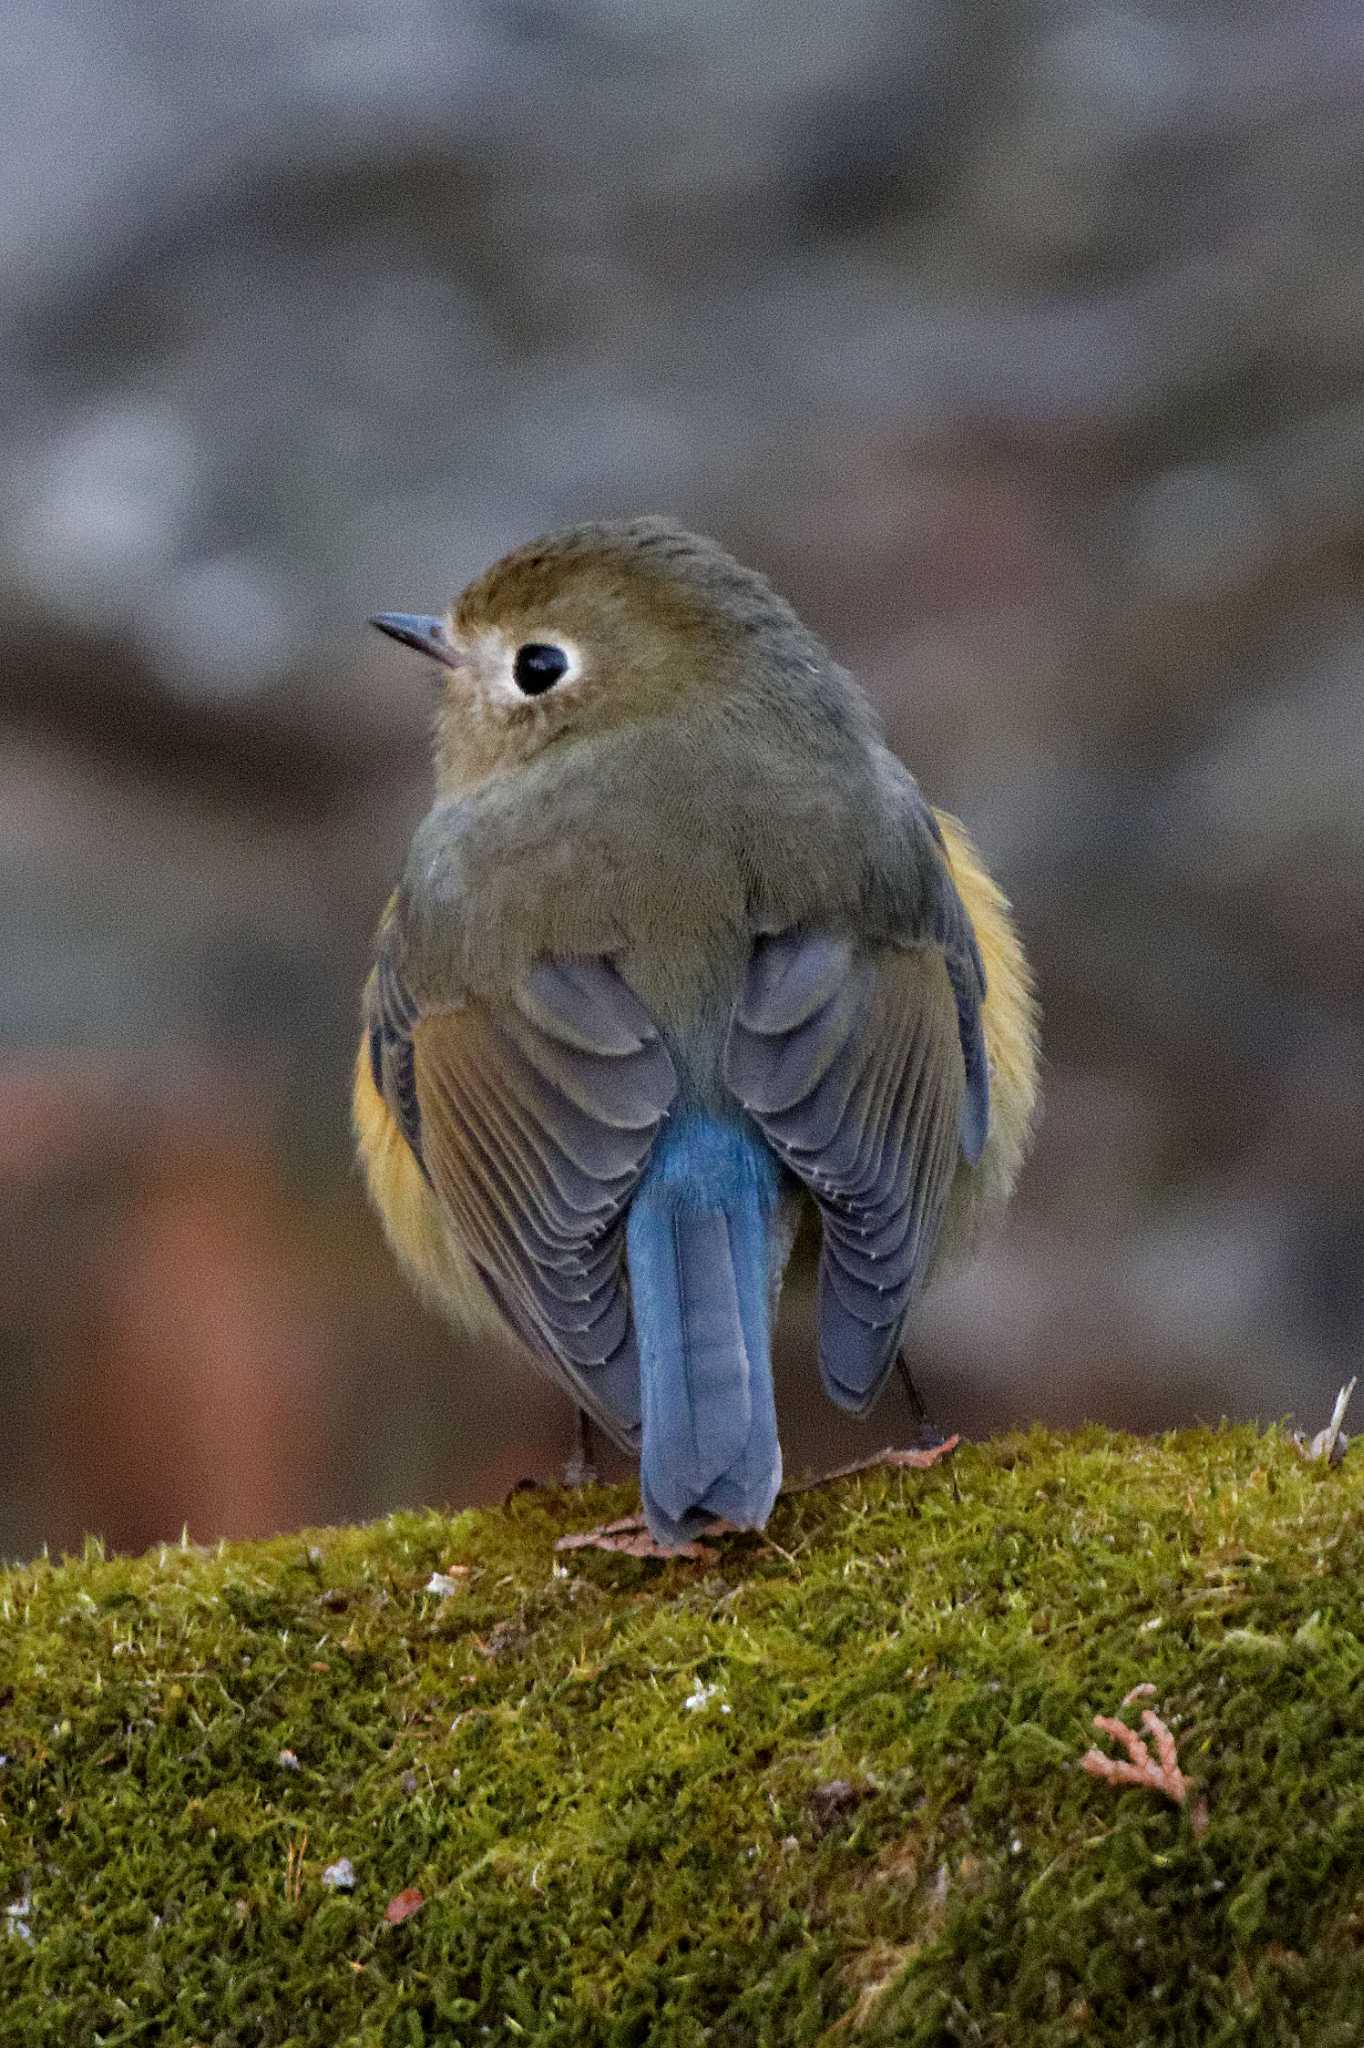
1021 345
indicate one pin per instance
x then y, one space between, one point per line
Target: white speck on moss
339 1876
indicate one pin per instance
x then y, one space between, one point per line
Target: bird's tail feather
699 1238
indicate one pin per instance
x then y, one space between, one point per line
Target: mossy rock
822 1787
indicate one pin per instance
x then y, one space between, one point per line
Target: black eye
537 668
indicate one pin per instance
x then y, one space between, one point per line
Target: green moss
874 1828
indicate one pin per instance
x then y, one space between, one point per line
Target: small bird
680 952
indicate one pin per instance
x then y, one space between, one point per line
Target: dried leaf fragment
403 1905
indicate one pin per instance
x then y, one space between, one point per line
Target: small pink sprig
1158 1773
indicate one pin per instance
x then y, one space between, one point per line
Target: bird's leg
927 1444
925 1435
581 1469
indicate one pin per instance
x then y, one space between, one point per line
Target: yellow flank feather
411 1213
1009 1020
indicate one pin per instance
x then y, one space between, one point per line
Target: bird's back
798 817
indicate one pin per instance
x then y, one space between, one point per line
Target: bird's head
597 627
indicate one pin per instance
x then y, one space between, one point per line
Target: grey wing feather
534 1118
390 1047
853 1063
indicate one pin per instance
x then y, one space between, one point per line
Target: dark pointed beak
415 629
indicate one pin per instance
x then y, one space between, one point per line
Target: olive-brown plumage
679 951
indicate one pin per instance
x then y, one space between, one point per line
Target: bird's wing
533 1119
864 1066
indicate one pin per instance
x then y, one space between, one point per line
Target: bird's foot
630 1536
925 1434
914 1458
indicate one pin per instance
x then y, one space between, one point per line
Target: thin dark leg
925 1434
581 1469
924 1437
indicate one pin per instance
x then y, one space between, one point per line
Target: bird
680 955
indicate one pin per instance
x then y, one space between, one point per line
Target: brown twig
293 1869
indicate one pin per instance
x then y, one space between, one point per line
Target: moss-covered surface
822 1787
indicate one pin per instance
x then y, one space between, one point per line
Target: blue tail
699 1243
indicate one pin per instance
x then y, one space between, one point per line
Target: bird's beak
415 629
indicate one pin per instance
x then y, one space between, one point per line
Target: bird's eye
538 667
